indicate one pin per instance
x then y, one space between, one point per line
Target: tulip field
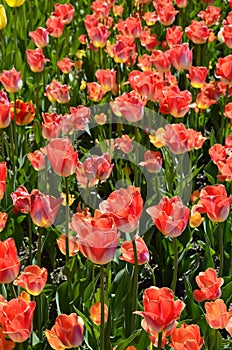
115 174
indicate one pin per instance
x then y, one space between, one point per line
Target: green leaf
124 343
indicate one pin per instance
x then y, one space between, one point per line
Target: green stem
67 219
39 313
15 126
93 281
198 55
2 144
20 347
174 279
30 239
39 246
221 248
102 327
135 284
108 276
15 36
152 273
37 94
160 341
12 290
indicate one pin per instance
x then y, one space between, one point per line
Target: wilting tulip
17 317
98 237
36 60
33 279
170 216
209 286
66 333
21 200
187 337
72 242
78 118
25 112
125 206
214 202
3 18
5 344
4 110
9 262
95 313
3 173
11 80
217 315
37 160
61 155
40 37
15 3
44 208
160 309
3 220
128 251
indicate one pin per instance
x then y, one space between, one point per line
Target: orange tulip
217 315
211 15
95 313
44 208
55 26
197 76
131 27
73 245
62 156
107 80
9 262
170 216
95 91
56 92
224 69
125 206
160 309
25 112
187 337
174 35
128 252
33 279
37 160
17 317
209 285
5 344
3 174
65 65
66 333
129 106
3 220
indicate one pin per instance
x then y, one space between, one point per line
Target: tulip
11 80
65 12
25 112
187 337
3 18
17 317
124 143
95 91
198 32
44 208
224 69
66 333
40 37
37 160
95 313
21 200
3 174
55 26
36 60
160 309
181 56
209 286
56 92
170 216
3 220
4 110
128 251
73 245
62 156
15 3
125 206
217 315
153 161
9 262
33 279
197 76
65 65
5 344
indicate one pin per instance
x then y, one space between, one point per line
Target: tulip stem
174 279
39 313
15 37
12 290
102 330
39 246
198 55
67 219
30 239
2 145
135 284
21 347
15 126
221 248
160 341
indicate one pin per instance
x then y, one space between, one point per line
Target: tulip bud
3 19
15 3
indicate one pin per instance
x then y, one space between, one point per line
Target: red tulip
99 35
107 80
214 202
211 15
217 315
3 174
198 32
128 105
152 161
175 102
33 279
3 220
25 112
40 37
4 110
65 12
21 200
55 26
5 344
17 316
208 95
209 286
160 309
224 69
44 208
197 76
52 125
170 216
187 337
56 92
65 65
128 251
97 237
62 156
166 14
9 262
73 245
66 333
11 80
124 143
36 60
125 206
37 160
181 56
95 91
227 35
95 313
131 27
101 9
161 60
123 51
174 35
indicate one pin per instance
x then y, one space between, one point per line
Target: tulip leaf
124 343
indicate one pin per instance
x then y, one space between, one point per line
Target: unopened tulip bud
3 19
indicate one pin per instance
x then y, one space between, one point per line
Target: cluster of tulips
115 171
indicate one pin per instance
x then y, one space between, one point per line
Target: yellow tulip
15 3
3 19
